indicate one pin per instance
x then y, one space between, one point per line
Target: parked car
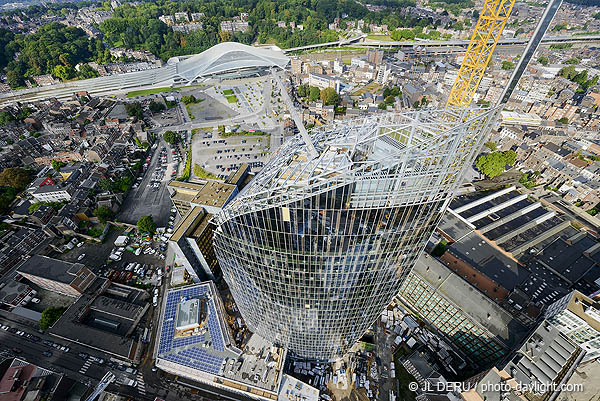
81 256
47 354
83 355
35 300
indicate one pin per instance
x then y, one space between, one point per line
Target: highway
465 43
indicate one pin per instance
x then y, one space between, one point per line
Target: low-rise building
66 278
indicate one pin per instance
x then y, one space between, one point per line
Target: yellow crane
487 32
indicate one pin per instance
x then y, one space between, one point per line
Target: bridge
337 43
409 44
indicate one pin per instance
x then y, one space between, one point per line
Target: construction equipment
487 32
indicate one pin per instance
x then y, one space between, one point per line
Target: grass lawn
386 38
200 172
232 99
227 92
150 91
373 87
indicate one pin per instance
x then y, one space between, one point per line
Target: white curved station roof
228 57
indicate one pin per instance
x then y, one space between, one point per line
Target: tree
14 177
491 146
302 90
63 72
171 137
134 110
57 165
156 107
563 120
50 316
543 60
330 97
5 118
493 164
382 106
189 99
103 213
314 94
146 225
507 65
572 60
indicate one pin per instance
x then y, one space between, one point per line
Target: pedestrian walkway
141 386
85 366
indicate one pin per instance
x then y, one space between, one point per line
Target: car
83 355
81 256
47 354
4 327
80 244
12 330
35 300
17 350
122 368
131 371
35 339
47 343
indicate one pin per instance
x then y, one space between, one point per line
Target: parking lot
149 196
220 155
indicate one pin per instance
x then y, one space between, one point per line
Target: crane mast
487 32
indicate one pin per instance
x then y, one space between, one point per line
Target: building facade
317 245
578 317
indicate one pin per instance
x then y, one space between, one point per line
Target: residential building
56 275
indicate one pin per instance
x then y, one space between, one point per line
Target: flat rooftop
80 323
481 308
209 355
51 269
197 218
214 194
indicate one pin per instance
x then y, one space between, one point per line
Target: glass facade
314 248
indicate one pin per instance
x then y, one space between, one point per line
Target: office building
578 317
195 344
319 242
536 371
192 244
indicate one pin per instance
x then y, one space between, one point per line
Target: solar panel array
182 350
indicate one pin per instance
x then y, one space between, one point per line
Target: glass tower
317 245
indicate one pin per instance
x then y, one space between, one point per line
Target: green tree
382 106
5 118
188 99
543 60
493 164
134 110
572 60
156 107
14 177
103 213
491 146
50 316
314 94
563 120
63 72
57 165
171 137
146 225
507 65
330 97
